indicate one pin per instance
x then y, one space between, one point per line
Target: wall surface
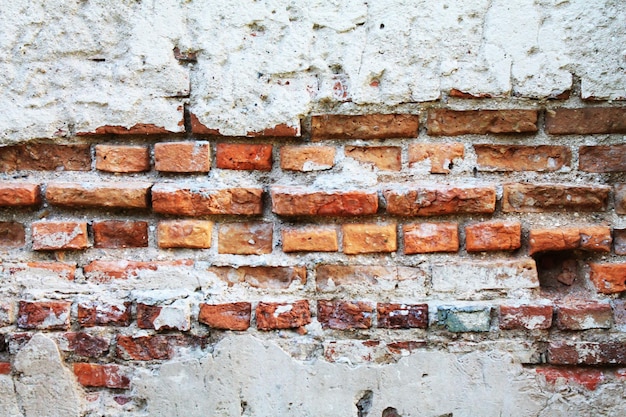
287 208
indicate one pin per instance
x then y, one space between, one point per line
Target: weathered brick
228 316
608 278
5 368
243 156
44 315
97 313
464 94
440 155
49 235
292 201
127 195
16 194
45 270
533 198
371 126
17 341
123 159
173 316
590 238
45 157
267 277
199 128
402 316
480 122
105 271
86 345
522 158
619 241
584 316
385 278
307 158
281 130
587 353
620 198
201 201
464 319
182 156
529 317
586 121
602 158
145 348
619 313
12 235
115 234
107 376
493 236
245 238
136 129
344 315
461 276
369 238
588 378
385 158
274 316
439 200
310 239
194 234
430 237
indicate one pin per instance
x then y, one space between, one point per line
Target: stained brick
274 316
590 238
15 194
344 315
493 236
462 276
245 238
94 375
44 315
201 201
586 121
430 237
244 156
45 157
620 198
602 158
584 316
12 235
123 159
5 368
126 195
441 155
105 271
104 314
49 235
385 158
265 277
371 126
480 122
619 241
529 317
439 200
522 158
145 348
115 234
194 234
531 198
465 319
385 278
292 201
608 278
402 316
587 353
588 378
86 345
307 158
182 157
369 238
49 270
173 316
227 316
310 239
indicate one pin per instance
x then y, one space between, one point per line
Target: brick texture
111 195
480 122
290 201
373 126
434 200
201 201
45 157
44 315
307 158
245 238
608 278
441 155
193 234
586 121
59 236
182 157
116 234
402 316
344 315
529 317
531 198
274 316
263 277
522 158
244 156
122 159
369 238
19 194
95 375
310 239
12 235
493 236
430 237
591 238
385 158
228 316
606 158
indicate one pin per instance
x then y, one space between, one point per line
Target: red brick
44 315
369 238
608 278
292 201
543 158
105 271
584 316
265 277
588 378
620 198
245 238
281 130
441 155
602 158
590 238
586 121
464 94
123 159
107 376
104 314
86 345
15 194
529 317
537 198
193 234
244 156
402 316
587 353
619 241
136 129
480 122
371 126
176 316
146 348
385 158
310 239
12 235
182 157
116 234
45 157
54 270
5 368
344 315
49 235
439 200
274 316
493 236
114 195
200 201
199 128
430 237
307 158
228 316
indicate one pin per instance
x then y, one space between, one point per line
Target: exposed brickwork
369 238
45 157
171 199
105 271
182 157
402 316
264 277
122 159
430 237
86 345
385 158
244 156
584 316
344 315
116 234
529 317
553 197
19 194
480 122
94 375
620 198
104 314
12 235
310 239
493 236
193 234
608 278
441 155
288 201
587 353
591 238
245 238
432 201
373 126
229 316
111 195
522 158
274 316
307 158
602 158
44 315
586 121
59 235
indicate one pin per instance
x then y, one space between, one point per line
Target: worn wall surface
288 208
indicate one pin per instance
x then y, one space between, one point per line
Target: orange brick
120 234
371 126
591 238
12 235
228 316
105 271
430 237
437 200
294 201
114 158
244 156
182 157
94 375
45 157
245 238
441 155
274 316
264 277
307 158
586 121
115 195
13 194
194 234
386 158
493 236
44 315
56 270
310 239
536 198
480 122
59 235
522 158
201 201
608 278
369 238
